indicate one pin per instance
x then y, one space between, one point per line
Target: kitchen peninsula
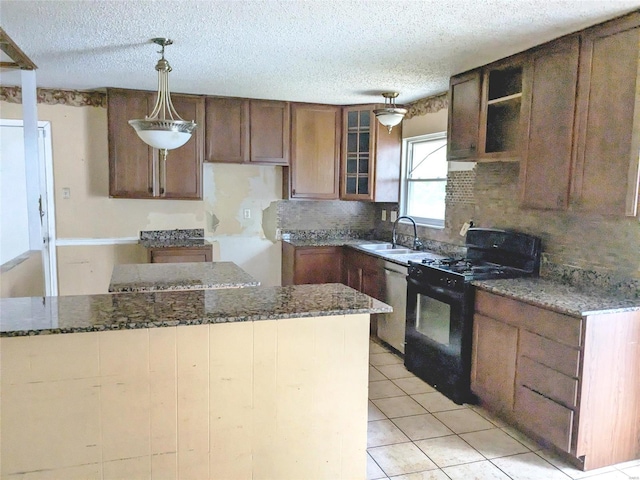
265 382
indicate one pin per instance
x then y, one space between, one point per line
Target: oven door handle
416 287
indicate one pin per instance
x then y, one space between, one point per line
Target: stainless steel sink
386 249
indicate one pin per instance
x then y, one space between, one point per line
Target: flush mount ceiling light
390 115
163 129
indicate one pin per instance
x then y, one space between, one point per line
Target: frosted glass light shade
390 117
163 134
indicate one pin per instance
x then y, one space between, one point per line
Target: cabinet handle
472 147
293 192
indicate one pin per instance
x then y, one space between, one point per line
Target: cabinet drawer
547 381
546 418
556 326
552 354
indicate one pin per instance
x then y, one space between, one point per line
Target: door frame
46 191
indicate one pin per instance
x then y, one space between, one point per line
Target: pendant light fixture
390 115
163 129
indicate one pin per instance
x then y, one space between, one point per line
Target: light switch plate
394 216
384 215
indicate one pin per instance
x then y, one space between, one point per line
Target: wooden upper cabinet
370 164
135 170
242 130
227 134
608 113
130 168
549 100
269 123
502 124
464 111
315 152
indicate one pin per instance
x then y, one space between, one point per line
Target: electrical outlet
66 193
394 216
384 215
246 213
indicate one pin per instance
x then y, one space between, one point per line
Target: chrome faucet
417 244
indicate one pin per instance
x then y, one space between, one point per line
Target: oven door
438 337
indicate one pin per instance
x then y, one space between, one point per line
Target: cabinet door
227 130
315 151
358 151
608 137
493 364
373 282
181 177
131 172
269 123
464 111
550 92
318 265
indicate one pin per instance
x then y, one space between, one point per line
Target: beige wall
80 158
423 124
25 279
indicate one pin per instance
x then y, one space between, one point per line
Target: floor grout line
473 408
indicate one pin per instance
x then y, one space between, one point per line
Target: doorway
27 220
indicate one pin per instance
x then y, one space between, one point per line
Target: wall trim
51 96
75 242
427 105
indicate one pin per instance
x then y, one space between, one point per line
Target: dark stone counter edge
550 305
173 287
382 308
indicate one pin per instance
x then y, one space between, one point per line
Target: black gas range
440 306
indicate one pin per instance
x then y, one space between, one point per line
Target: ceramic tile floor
416 433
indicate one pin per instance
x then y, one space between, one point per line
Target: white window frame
407 149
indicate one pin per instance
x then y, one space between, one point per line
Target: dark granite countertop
170 242
400 259
154 277
560 297
88 313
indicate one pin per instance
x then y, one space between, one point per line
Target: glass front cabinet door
370 162
358 153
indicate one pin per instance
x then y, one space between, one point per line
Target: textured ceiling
327 51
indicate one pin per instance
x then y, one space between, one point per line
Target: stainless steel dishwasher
391 326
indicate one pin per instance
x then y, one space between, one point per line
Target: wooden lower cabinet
302 265
493 372
569 382
364 273
181 254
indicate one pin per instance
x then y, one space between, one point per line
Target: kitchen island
265 382
156 277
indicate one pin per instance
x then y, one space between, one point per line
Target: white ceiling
326 51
